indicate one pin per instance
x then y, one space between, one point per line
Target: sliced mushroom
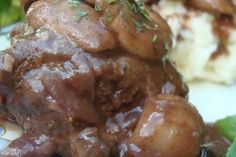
139 30
75 20
168 127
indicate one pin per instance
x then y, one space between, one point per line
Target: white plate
213 101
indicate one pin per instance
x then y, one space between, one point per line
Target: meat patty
75 88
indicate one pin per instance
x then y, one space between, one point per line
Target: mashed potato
196 46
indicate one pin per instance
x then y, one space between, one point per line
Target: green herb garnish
109 16
232 150
138 7
131 6
138 25
154 39
81 14
74 3
147 26
227 127
97 7
141 9
111 1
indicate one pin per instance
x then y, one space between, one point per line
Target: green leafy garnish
10 12
97 7
232 150
142 11
111 1
154 39
147 26
73 3
109 16
138 25
81 14
137 7
131 6
227 127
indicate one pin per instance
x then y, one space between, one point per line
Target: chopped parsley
147 26
154 39
137 7
109 16
141 9
73 3
111 1
97 7
138 25
132 6
81 14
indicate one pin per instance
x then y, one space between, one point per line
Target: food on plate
90 79
204 34
166 120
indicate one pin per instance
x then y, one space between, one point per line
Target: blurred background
10 12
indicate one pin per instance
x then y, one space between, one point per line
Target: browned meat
77 87
88 143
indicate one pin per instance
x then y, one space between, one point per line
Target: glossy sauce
222 26
89 87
